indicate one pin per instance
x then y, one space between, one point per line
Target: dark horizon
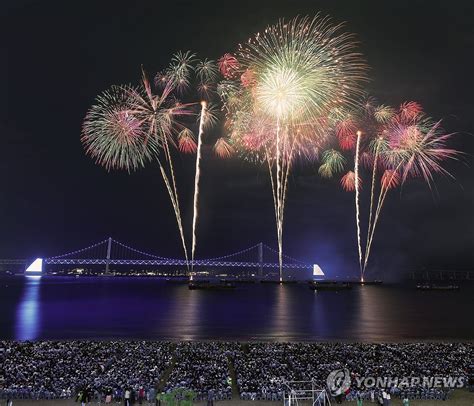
60 56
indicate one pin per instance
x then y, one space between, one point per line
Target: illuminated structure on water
36 268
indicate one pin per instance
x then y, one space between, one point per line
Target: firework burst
348 182
228 66
394 145
130 126
223 149
186 141
293 76
113 136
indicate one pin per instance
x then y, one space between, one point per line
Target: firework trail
416 147
372 191
196 181
392 180
279 200
148 106
356 185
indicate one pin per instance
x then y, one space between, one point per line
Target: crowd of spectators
61 369
100 370
264 368
203 368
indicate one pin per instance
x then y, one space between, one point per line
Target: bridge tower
109 248
260 260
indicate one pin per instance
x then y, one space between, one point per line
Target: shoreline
460 397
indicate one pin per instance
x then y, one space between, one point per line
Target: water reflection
28 315
70 308
185 318
377 314
321 315
281 320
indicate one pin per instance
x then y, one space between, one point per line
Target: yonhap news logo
338 381
427 382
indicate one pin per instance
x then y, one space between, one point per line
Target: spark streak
196 182
356 173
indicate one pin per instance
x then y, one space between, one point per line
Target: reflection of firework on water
291 79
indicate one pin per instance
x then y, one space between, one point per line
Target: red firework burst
409 111
228 65
348 181
346 134
186 142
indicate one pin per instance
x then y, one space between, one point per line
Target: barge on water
375 282
431 286
329 285
211 285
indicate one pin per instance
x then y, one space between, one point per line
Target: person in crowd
141 395
151 396
108 396
127 397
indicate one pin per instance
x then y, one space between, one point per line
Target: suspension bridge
111 252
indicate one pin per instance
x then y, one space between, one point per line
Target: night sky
58 55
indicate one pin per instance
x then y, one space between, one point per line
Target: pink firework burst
348 181
248 78
228 65
127 127
252 142
390 179
404 136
